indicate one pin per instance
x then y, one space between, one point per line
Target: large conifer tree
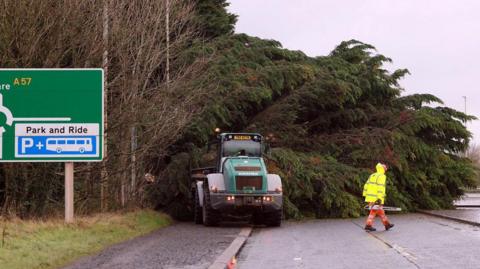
329 120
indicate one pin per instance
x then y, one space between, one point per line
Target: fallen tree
329 120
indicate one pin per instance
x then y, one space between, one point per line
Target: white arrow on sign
10 119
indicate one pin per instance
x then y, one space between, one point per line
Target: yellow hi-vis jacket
374 189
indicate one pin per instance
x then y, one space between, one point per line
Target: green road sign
51 115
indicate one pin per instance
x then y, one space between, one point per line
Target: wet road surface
469 199
468 209
183 245
468 214
417 241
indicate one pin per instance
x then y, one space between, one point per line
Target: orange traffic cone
232 263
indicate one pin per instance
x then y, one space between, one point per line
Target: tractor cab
238 145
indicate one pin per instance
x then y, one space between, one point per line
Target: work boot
389 226
369 228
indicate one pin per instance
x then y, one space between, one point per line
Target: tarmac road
182 245
417 241
469 199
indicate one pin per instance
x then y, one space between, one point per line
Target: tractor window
242 148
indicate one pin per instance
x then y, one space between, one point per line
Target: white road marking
403 252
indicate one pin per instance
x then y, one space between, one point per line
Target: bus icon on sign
56 146
60 145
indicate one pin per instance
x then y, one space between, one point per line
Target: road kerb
232 250
449 217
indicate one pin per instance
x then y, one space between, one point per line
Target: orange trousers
380 212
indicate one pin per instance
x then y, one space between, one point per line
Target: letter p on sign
26 143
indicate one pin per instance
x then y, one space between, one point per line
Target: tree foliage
213 19
330 120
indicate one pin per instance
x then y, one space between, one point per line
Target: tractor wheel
210 216
197 210
274 219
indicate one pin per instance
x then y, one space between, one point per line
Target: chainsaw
385 208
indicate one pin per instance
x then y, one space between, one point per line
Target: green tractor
239 184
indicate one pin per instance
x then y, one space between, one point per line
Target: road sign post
69 192
52 115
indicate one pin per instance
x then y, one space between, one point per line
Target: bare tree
144 116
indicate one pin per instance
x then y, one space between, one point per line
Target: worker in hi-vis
374 193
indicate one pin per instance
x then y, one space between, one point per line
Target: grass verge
51 243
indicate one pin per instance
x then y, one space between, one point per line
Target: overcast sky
437 40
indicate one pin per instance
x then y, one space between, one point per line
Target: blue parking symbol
56 145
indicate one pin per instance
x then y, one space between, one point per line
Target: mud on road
183 245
